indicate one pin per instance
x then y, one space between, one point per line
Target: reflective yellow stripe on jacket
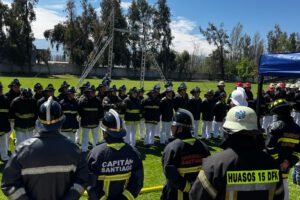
4 110
289 140
133 111
25 116
109 178
70 112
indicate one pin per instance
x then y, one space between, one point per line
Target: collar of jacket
48 134
110 140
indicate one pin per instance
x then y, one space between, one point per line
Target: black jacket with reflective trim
219 111
211 183
283 141
166 108
11 95
150 109
132 107
46 166
24 112
90 112
178 157
112 102
70 110
4 115
115 159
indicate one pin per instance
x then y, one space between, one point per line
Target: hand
285 165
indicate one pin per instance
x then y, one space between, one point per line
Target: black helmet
133 90
280 107
195 90
38 87
112 124
50 87
122 88
168 84
113 89
71 90
15 82
26 92
183 118
50 112
181 87
63 85
141 90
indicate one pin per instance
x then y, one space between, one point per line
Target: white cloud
185 37
58 7
125 5
45 19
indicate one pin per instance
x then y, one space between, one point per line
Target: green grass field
151 156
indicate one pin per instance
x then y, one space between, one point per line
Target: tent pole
259 96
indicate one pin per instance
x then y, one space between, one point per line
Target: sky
187 15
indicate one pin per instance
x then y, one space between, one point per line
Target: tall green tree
121 52
20 36
3 13
218 37
162 34
277 40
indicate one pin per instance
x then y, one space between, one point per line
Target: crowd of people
115 165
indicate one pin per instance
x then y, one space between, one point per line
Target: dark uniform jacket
43 100
207 110
123 97
47 166
70 110
11 95
244 172
297 102
180 101
133 110
24 112
112 102
150 109
38 96
166 108
4 115
217 94
290 97
195 107
116 171
61 96
283 142
250 99
220 111
182 160
268 98
90 111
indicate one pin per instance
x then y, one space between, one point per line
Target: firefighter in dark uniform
122 92
4 125
14 90
141 92
267 99
168 85
182 158
181 99
48 92
166 108
63 91
283 141
82 89
221 89
112 101
207 114
38 92
151 112
91 112
250 99
219 112
69 106
24 112
116 167
243 171
101 90
47 166
132 105
195 107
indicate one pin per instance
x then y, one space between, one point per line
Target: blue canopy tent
277 65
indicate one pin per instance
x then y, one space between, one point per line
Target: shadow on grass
155 150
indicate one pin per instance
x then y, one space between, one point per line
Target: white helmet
241 118
239 97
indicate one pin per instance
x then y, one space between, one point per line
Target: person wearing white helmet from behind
243 171
238 98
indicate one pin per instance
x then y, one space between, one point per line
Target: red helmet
239 84
247 85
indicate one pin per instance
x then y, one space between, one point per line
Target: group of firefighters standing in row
50 166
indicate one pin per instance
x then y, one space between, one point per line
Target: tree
219 38
245 69
19 33
182 61
235 42
277 41
3 14
121 52
162 34
293 42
